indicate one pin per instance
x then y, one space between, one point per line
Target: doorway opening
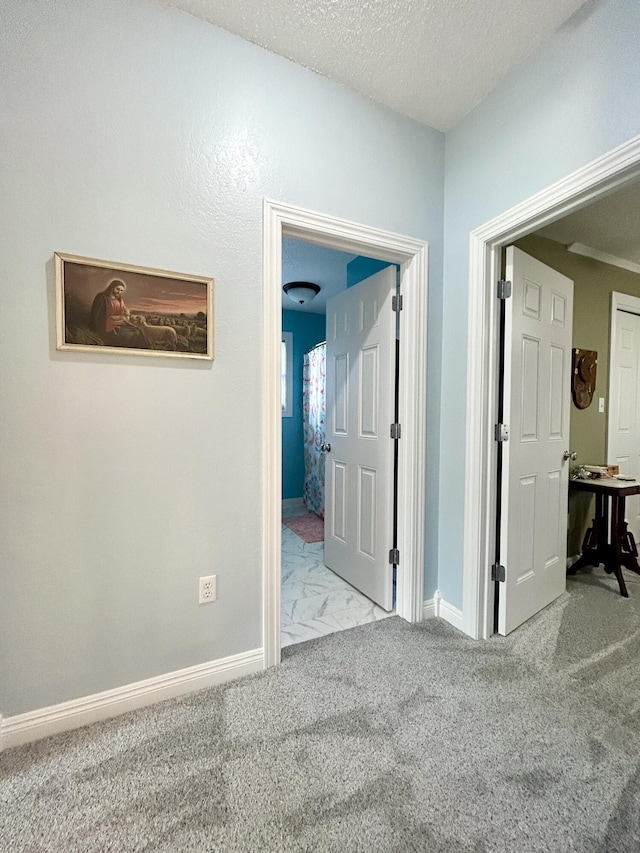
613 171
322 591
411 255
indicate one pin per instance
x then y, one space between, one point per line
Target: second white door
359 464
539 320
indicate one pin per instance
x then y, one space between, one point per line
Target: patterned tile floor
315 601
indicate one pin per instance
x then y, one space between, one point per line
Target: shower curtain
314 408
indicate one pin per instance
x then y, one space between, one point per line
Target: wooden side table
608 542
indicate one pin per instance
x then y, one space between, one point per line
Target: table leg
618 530
628 549
595 547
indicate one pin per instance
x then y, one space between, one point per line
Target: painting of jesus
123 308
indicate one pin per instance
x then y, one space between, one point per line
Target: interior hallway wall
134 132
574 100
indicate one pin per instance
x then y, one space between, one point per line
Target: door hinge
498 573
501 432
396 303
395 430
504 289
394 557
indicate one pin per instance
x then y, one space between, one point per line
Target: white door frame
412 255
604 175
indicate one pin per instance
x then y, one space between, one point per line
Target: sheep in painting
158 337
196 333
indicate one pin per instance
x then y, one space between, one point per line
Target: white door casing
412 255
623 433
538 327
359 463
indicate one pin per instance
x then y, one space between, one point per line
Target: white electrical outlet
207 589
601 405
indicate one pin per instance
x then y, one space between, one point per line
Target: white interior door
533 530
360 407
623 447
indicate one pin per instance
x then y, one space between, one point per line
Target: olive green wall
593 284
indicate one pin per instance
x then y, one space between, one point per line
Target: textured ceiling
432 60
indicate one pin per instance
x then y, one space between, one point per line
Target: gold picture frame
110 307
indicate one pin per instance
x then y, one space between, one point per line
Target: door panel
624 407
535 477
359 469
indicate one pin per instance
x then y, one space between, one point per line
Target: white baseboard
437 606
451 614
431 606
292 503
34 725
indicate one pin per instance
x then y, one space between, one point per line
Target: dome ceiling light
301 291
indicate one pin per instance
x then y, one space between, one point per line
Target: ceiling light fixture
301 291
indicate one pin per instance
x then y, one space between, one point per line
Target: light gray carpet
384 738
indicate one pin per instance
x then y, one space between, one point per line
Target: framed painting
112 307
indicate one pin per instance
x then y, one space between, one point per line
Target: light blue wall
308 330
574 100
134 132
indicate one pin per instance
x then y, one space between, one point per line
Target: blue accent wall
307 330
360 268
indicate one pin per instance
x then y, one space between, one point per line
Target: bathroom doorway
279 221
315 600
